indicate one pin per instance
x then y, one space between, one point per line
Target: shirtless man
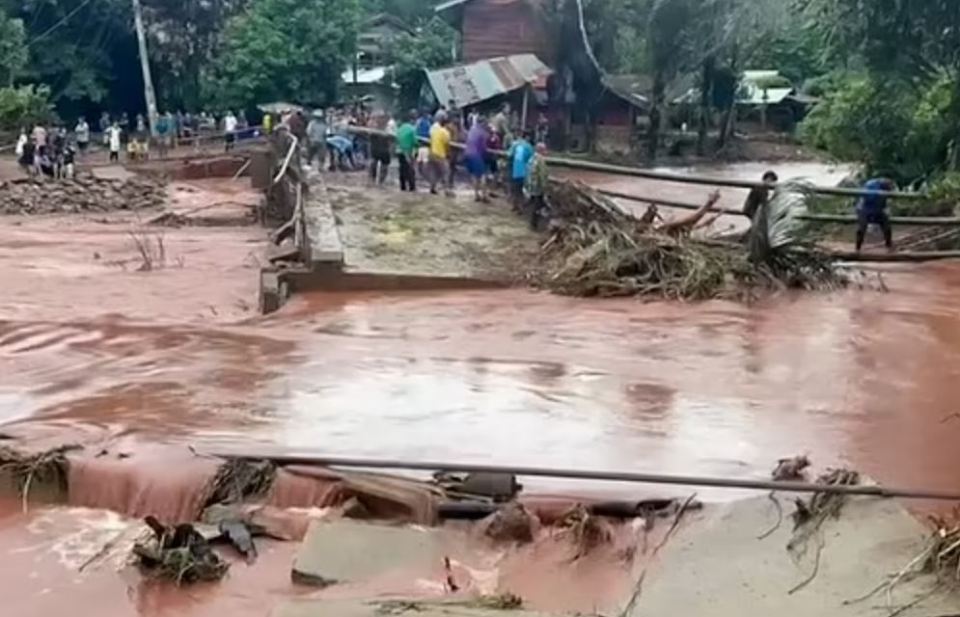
683 226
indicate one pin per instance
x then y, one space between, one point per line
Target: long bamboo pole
585 474
919 221
622 170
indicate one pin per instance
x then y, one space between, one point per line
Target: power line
59 23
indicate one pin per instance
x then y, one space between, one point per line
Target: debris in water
45 467
240 536
598 250
811 514
449 583
588 531
179 554
511 523
940 556
240 479
500 602
788 469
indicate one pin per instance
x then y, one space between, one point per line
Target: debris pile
511 523
86 193
595 249
179 554
588 531
237 480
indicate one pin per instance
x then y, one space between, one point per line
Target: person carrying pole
872 210
406 152
440 155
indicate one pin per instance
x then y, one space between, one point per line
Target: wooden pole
846 219
639 172
584 474
523 114
148 92
901 257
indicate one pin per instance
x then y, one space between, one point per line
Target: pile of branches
596 249
179 554
940 557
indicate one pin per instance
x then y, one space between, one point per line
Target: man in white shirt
113 139
82 131
230 129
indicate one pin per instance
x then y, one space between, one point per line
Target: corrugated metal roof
469 84
365 76
752 92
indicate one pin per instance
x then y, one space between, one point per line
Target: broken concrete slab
715 564
323 243
368 608
347 551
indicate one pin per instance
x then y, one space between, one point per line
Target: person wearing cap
317 138
872 210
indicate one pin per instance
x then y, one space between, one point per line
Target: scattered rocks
86 193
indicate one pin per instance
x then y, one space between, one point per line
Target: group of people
426 147
870 208
50 152
171 130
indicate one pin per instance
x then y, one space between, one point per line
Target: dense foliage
285 50
430 46
22 106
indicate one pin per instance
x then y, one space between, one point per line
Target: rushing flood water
518 377
861 378
528 378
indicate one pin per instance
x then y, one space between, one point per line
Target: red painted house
496 28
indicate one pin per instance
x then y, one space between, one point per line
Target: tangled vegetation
597 250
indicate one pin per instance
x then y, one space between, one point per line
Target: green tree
23 106
430 47
910 52
184 35
285 49
72 44
668 38
13 49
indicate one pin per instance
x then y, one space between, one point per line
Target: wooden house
498 28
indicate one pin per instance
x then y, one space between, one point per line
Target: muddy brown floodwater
145 363
513 376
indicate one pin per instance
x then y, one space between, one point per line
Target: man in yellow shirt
439 155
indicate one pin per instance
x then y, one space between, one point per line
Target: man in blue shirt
519 156
424 122
872 210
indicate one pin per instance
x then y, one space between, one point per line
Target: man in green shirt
406 152
536 187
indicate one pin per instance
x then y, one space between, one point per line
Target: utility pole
148 92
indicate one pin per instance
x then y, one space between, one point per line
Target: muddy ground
384 230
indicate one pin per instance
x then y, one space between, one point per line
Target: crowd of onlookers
52 150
